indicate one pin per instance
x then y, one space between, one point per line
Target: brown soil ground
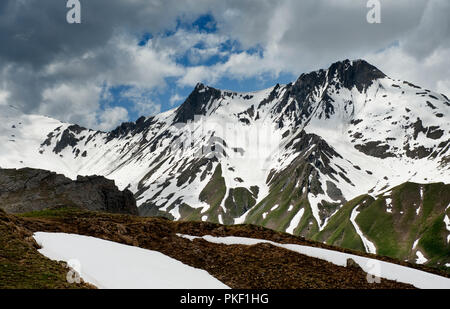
261 266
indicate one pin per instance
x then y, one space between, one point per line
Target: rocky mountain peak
317 142
357 73
196 103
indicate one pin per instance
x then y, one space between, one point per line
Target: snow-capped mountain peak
260 157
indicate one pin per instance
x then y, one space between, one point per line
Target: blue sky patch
173 95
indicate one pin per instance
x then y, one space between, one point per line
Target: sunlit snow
111 265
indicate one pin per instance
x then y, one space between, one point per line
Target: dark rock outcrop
196 103
27 190
357 73
68 138
376 149
141 125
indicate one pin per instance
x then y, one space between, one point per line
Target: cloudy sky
139 57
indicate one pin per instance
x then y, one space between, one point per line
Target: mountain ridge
261 157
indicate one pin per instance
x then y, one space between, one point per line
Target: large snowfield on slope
418 278
111 265
254 130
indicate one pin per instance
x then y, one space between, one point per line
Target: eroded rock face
26 190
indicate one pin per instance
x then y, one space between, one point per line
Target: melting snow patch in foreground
390 271
111 265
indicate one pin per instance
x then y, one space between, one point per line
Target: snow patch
389 205
111 265
415 244
314 201
368 245
447 226
295 221
420 258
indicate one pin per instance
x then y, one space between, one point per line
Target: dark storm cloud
321 29
36 31
35 38
50 66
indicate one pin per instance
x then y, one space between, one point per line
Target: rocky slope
28 190
290 158
261 266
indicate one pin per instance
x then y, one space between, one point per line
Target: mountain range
346 156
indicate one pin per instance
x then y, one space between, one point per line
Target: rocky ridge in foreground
261 266
26 190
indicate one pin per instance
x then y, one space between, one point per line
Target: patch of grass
276 219
378 225
308 225
238 202
395 233
434 242
244 198
283 192
214 193
23 267
51 213
282 217
188 213
255 215
340 231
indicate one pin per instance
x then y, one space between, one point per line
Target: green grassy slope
395 221
22 267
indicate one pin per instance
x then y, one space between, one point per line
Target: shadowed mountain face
28 190
196 103
289 158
